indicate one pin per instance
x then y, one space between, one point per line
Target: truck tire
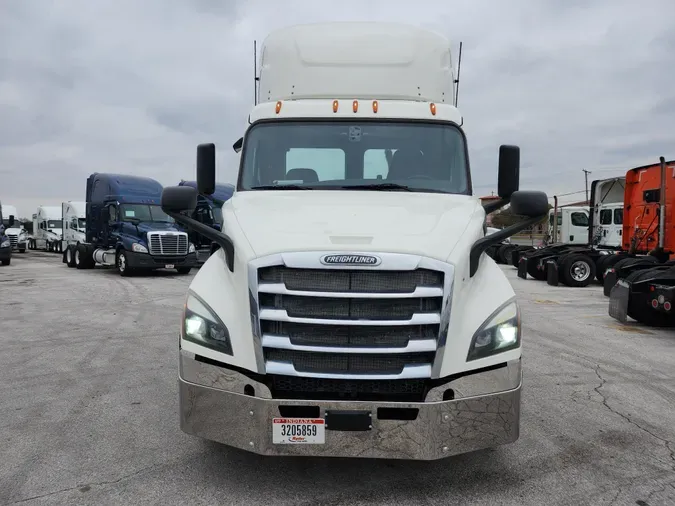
81 260
577 270
63 257
22 250
70 256
122 264
184 270
7 261
642 312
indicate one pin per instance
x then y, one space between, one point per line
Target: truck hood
15 231
427 224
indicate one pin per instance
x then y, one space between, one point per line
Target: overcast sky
133 86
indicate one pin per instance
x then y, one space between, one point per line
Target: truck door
577 229
616 229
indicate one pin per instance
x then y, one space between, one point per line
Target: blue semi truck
126 228
208 212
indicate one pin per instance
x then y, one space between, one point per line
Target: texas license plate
298 431
169 266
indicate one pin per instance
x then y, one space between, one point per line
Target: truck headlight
5 244
499 333
138 248
191 249
202 326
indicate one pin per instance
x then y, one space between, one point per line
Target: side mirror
529 203
176 199
11 221
206 169
509 171
238 145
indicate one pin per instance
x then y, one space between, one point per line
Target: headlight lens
499 333
5 244
202 326
191 249
138 248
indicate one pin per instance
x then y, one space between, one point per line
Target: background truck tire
577 270
70 256
184 270
639 308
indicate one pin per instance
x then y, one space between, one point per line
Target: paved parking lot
88 397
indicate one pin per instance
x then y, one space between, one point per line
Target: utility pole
586 173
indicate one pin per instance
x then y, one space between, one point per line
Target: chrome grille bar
349 322
168 243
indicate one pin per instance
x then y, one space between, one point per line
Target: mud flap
618 301
609 282
552 273
522 268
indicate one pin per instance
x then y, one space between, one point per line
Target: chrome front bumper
485 413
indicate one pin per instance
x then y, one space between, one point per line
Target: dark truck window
54 224
618 216
550 220
606 217
323 155
144 212
579 219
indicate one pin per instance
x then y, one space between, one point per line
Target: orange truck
641 281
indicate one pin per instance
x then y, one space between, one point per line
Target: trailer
5 244
14 229
125 227
47 231
73 224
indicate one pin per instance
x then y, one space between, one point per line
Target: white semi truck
18 237
47 229
73 225
349 309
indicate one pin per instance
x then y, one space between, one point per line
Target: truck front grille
13 240
361 326
168 243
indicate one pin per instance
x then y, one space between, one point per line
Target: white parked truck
47 229
73 225
18 237
349 309
572 226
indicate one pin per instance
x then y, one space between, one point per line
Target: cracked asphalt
88 409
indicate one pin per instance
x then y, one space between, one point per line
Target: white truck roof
49 212
8 210
78 207
356 60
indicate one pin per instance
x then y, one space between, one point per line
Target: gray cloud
131 86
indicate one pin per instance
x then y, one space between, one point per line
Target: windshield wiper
380 186
281 187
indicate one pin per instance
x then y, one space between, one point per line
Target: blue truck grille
168 243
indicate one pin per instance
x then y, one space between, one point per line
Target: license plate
169 266
298 431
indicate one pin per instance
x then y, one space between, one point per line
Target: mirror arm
484 243
218 237
491 207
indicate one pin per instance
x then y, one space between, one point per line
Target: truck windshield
144 212
377 155
53 223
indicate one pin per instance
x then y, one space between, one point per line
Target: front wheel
6 262
184 270
123 264
22 250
